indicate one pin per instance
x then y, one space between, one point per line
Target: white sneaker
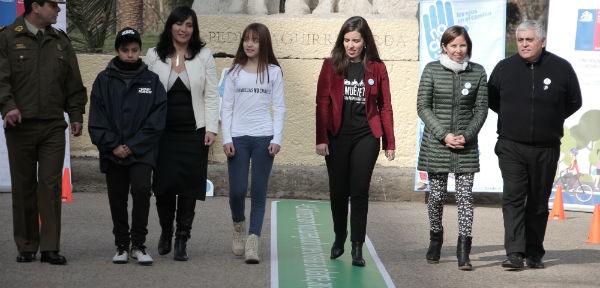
239 238
122 256
141 255
252 244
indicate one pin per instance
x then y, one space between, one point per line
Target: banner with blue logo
486 22
8 11
574 34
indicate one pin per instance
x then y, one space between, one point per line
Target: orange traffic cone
594 235
66 186
558 210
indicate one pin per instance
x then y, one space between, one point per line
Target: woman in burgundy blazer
354 111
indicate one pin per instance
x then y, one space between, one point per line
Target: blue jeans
249 149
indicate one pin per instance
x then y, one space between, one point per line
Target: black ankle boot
337 249
463 248
436 239
357 258
165 242
180 253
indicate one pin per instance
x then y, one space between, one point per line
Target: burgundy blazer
330 95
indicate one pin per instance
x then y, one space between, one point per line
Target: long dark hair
339 59
165 47
265 50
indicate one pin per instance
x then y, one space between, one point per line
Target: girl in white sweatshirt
251 133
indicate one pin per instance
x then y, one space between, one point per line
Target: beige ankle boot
239 239
252 245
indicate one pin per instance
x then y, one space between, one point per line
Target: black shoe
53 257
180 253
165 243
436 239
357 258
513 262
535 262
25 257
337 249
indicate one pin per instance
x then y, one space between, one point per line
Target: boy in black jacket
127 116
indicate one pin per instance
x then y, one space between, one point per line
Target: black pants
528 173
119 179
350 165
36 152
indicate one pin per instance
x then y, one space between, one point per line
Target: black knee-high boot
436 239
463 249
165 207
185 218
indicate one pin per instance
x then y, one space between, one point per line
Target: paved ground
398 231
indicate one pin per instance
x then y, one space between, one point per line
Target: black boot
165 242
166 216
185 218
357 258
180 253
436 239
337 249
463 248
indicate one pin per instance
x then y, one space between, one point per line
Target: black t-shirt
354 116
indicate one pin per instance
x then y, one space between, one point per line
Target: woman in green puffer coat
453 104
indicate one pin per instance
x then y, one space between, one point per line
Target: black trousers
528 173
119 179
350 166
36 152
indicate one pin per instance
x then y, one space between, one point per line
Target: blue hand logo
440 17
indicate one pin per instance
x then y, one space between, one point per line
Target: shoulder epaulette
60 31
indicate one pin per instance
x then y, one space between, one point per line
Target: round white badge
547 81
371 81
468 85
465 92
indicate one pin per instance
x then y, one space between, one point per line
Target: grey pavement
398 231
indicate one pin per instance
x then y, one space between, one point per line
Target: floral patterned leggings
438 185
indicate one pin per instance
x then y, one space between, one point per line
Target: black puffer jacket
444 108
127 107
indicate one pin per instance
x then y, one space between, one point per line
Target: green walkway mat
301 238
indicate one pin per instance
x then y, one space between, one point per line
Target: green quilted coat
456 103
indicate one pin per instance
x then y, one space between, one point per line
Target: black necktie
39 35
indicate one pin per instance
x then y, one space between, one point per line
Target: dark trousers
350 165
528 173
170 207
119 181
250 150
36 152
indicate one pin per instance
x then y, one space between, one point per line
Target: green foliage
585 132
148 40
93 21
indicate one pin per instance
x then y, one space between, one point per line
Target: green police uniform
40 77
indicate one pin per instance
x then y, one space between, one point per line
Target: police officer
39 81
